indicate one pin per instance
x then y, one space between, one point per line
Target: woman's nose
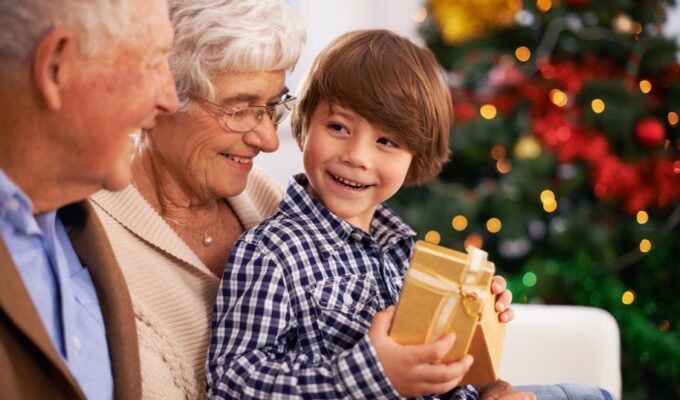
263 137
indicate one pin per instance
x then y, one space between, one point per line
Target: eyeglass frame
220 112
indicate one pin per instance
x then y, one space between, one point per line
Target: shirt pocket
344 308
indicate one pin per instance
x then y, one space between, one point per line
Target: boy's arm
253 353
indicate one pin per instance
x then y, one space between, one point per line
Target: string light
547 195
523 53
433 237
498 152
628 297
558 97
673 118
504 165
544 5
664 325
488 111
529 279
459 223
473 239
645 245
642 217
493 225
597 105
645 86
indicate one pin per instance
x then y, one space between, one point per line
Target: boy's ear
52 65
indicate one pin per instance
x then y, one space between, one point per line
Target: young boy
297 313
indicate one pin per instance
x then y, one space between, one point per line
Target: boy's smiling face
352 165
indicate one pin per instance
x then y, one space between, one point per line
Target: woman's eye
388 142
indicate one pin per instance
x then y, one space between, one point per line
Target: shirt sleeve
253 352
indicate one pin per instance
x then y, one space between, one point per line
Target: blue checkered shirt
296 302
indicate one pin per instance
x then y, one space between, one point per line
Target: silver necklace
207 238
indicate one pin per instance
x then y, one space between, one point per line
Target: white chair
548 344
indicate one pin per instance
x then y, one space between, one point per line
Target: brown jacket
30 366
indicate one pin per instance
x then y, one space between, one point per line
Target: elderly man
78 77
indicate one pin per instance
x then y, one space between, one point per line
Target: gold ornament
460 20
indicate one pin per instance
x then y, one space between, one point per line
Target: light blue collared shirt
60 287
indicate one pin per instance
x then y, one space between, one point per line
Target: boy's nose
358 153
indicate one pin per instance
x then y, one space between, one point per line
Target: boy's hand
503 299
416 370
501 390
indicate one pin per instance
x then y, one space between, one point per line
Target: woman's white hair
216 36
24 22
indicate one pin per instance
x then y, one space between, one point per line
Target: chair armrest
548 344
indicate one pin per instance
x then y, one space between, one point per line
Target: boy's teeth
348 182
237 159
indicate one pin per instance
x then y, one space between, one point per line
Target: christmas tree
565 162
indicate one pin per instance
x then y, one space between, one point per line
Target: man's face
120 90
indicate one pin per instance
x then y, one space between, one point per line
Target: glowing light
664 325
433 237
642 217
628 297
676 167
488 111
459 222
547 195
493 225
550 206
527 148
645 245
597 105
673 118
419 15
474 239
504 166
498 152
529 279
558 97
544 5
523 53
645 86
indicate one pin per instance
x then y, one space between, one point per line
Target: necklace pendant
207 239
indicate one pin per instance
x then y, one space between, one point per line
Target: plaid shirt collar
387 228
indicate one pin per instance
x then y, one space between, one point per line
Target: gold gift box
450 291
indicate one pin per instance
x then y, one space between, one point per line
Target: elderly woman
193 191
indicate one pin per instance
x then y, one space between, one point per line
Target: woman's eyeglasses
245 119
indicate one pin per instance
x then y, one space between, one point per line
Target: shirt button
356 236
76 343
13 205
347 298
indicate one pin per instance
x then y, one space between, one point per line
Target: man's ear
53 58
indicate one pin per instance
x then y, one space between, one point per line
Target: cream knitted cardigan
172 291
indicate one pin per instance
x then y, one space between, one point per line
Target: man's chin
117 181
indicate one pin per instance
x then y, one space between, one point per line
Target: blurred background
565 159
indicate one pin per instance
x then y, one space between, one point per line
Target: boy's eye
337 127
388 142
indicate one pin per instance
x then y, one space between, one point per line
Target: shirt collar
15 207
387 227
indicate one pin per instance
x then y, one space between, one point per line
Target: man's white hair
216 36
24 22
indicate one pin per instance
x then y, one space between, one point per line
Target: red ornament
650 132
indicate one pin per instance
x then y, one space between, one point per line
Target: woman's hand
503 299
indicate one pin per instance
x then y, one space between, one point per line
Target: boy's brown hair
394 84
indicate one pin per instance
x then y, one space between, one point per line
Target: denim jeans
569 391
